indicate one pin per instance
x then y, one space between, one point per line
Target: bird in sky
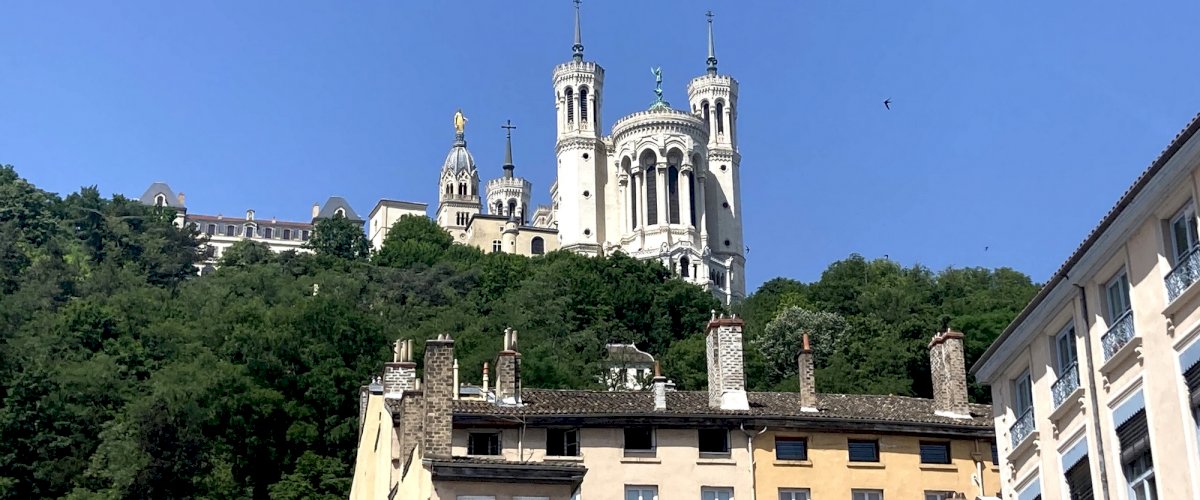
747 248
887 103
985 249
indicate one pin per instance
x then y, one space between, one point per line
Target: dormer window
160 200
340 212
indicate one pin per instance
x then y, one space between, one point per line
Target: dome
459 158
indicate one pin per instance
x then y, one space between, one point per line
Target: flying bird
887 103
747 248
985 249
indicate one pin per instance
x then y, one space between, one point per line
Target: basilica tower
713 97
509 195
458 185
580 151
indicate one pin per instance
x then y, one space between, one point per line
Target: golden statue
460 122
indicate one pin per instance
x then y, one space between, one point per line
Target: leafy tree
339 237
783 338
247 253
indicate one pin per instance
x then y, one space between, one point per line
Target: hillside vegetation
123 375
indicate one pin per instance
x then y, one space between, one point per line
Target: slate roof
773 405
332 204
1136 188
160 188
239 221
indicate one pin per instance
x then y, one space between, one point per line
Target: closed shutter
1079 480
1192 376
1134 437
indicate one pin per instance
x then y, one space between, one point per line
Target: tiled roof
500 462
781 405
1182 137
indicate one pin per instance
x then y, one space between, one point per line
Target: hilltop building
1096 384
436 438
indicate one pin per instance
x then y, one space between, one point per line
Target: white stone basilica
663 184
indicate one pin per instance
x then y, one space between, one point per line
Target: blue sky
1015 125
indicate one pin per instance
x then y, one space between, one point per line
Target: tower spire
577 49
508 161
712 51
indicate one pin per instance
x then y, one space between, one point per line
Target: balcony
1021 428
1066 384
1186 272
1118 335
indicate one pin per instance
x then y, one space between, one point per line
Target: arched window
267 233
632 191
340 212
683 267
512 207
673 194
249 231
583 95
691 187
570 98
287 234
449 189
720 117
537 246
229 230
704 113
160 200
212 228
462 189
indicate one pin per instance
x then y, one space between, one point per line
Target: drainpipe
750 435
1095 401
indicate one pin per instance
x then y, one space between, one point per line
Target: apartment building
438 439
1096 384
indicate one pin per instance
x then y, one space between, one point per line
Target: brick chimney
660 389
949 373
508 371
400 374
808 383
439 394
726 374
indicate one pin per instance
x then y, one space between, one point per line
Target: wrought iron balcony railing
1186 272
1118 334
1067 382
1022 427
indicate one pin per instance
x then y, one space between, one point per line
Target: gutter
750 435
1092 398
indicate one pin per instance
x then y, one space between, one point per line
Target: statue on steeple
460 122
658 98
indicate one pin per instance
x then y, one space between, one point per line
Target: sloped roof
770 405
160 188
332 204
1136 188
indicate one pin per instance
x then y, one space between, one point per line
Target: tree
782 339
411 240
339 237
247 253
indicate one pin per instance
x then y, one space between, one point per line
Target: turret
458 190
509 195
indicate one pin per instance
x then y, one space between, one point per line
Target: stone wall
807 374
948 372
726 375
439 393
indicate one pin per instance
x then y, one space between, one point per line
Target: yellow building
507 442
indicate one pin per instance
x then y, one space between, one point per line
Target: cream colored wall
828 473
373 464
450 490
482 233
383 218
675 467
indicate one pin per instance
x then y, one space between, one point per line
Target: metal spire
508 162
712 51
577 49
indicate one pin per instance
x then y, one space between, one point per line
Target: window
160 200
714 441
721 120
1183 233
716 493
1022 394
483 443
1065 352
1079 480
268 233
939 495
704 113
863 450
583 95
249 231
641 493
995 454
651 195
537 246
229 230
794 494
304 235
287 234
340 212
633 198
791 448
639 439
212 228
935 453
562 442
1117 295
673 195
496 247
1134 439
866 495
683 267
691 186
569 93
474 497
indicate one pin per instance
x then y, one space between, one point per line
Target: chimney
808 384
949 373
508 371
485 378
660 389
456 386
180 198
400 374
316 210
726 378
439 392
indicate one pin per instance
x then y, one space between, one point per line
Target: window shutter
1134 437
791 449
1192 376
1079 480
864 451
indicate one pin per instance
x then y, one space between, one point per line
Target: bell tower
713 98
458 184
580 151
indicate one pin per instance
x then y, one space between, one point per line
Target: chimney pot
806 371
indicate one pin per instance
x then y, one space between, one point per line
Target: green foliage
783 338
339 237
247 253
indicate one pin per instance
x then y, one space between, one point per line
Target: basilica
662 183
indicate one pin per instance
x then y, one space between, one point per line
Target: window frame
850 442
639 451
1185 214
1066 335
927 460
938 495
792 439
877 494
1022 386
700 442
1121 279
794 494
497 246
716 492
471 444
566 445
642 491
